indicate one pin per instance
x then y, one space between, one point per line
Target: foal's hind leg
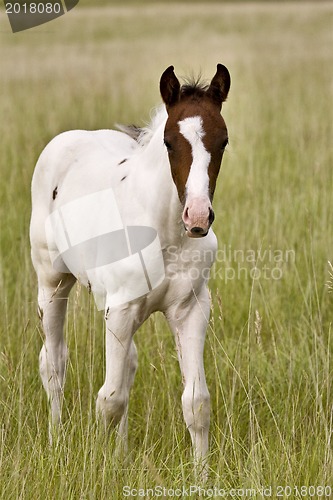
53 291
132 364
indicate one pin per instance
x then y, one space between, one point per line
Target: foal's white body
147 193
78 163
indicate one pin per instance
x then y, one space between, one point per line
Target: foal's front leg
121 365
189 323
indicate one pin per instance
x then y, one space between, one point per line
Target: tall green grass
269 345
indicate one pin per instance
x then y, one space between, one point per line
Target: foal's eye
167 145
225 144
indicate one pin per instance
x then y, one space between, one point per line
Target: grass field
269 346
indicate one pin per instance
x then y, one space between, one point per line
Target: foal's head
195 136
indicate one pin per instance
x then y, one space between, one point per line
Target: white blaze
198 180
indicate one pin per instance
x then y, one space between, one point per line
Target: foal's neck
161 190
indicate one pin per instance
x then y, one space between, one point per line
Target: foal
129 216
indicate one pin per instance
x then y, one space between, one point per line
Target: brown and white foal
131 219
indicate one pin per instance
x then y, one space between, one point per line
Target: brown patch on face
179 149
215 142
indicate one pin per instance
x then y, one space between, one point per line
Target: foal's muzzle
198 216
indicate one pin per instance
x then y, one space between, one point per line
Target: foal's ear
219 86
169 87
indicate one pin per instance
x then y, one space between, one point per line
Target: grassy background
269 346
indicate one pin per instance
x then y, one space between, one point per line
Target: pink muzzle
198 216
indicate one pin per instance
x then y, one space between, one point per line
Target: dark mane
193 87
